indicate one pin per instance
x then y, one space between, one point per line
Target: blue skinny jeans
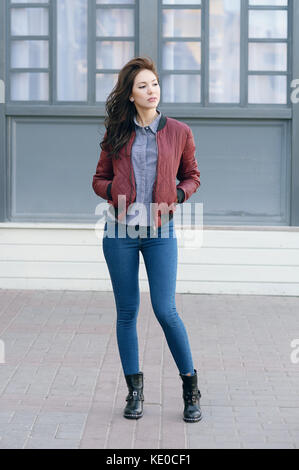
159 251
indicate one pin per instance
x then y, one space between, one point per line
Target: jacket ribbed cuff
180 195
109 195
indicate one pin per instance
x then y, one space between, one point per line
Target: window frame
94 69
244 46
161 40
92 40
287 41
10 38
146 42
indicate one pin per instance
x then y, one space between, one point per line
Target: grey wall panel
245 171
244 165
52 162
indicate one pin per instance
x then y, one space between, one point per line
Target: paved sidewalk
61 385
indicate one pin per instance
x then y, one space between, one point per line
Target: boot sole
194 420
133 416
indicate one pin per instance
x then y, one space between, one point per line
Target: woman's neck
146 118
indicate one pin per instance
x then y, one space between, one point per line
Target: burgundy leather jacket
114 178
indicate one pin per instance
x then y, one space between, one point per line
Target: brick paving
61 383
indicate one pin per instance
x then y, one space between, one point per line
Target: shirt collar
153 126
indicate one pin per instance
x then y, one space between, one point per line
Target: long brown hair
119 121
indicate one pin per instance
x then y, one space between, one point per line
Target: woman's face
146 90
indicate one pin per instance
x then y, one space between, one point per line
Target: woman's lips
152 99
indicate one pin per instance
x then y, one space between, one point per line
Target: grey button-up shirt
144 159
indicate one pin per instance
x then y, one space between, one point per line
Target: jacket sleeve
102 179
188 172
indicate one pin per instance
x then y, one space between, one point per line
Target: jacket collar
162 122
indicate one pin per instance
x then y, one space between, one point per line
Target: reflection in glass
224 70
114 54
274 3
181 89
29 86
115 1
29 54
25 21
72 50
268 24
29 1
267 56
181 55
182 23
104 85
115 22
267 89
182 2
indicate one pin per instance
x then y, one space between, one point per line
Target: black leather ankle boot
191 396
135 398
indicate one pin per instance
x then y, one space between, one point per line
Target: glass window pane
224 69
274 3
182 2
25 21
104 85
182 55
181 89
267 56
267 89
115 1
29 54
29 1
29 86
115 22
114 54
268 24
72 50
182 23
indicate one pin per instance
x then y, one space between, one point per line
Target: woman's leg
122 257
160 258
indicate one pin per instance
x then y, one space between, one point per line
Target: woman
143 152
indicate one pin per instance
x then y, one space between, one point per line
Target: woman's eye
156 84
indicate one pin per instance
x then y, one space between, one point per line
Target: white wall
238 260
